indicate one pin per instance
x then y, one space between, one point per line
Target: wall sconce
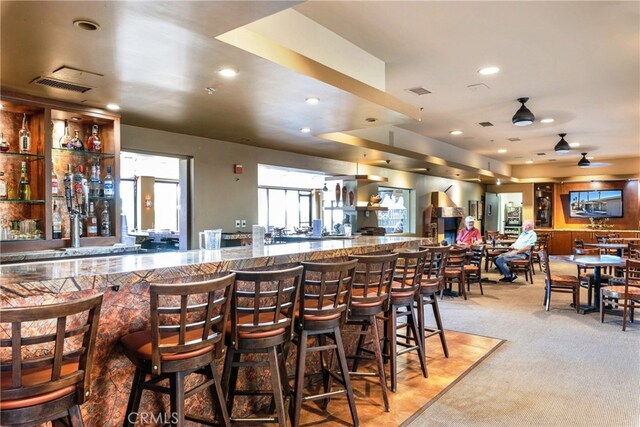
148 203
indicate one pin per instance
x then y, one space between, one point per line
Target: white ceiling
579 62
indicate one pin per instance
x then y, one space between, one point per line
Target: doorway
510 213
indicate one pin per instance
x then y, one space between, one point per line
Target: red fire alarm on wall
237 169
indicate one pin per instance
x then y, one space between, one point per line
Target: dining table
596 262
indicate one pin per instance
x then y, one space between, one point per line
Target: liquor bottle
68 191
108 184
105 221
4 194
56 220
54 181
94 183
94 143
25 188
76 141
25 136
4 145
100 183
92 222
77 187
65 139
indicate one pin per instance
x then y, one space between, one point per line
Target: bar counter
124 280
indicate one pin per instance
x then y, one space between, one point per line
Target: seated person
520 249
469 234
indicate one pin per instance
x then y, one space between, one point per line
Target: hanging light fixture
562 146
584 162
524 116
325 189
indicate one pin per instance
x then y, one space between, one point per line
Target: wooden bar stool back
324 299
559 283
186 337
263 307
36 388
432 283
404 289
370 295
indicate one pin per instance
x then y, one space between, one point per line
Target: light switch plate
244 222
237 223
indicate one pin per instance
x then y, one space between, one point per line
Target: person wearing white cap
469 234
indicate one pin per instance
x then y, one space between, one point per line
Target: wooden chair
585 274
455 269
406 283
541 244
370 296
634 251
262 310
559 283
46 386
432 283
626 294
578 244
524 266
325 294
187 332
473 270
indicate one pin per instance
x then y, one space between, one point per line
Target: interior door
491 211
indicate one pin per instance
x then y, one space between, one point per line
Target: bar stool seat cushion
618 292
564 279
139 343
247 319
397 290
34 376
359 293
312 304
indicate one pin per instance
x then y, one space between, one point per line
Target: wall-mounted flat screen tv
595 204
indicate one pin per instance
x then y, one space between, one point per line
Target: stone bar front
124 280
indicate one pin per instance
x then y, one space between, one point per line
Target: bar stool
264 303
406 283
37 389
186 336
325 293
369 298
432 283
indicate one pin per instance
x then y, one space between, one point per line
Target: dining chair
473 269
524 266
559 283
455 269
627 294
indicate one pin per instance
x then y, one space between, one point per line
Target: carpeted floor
557 368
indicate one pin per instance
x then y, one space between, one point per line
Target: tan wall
220 197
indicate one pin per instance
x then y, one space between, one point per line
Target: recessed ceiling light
87 25
76 119
305 130
228 72
456 132
574 144
529 162
488 70
547 120
590 157
113 107
502 150
498 182
312 100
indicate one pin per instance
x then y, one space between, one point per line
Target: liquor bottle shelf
84 153
27 156
33 201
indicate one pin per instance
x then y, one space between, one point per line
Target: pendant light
562 146
584 162
523 117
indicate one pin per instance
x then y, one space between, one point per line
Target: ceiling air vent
552 160
485 124
419 91
541 154
59 84
513 139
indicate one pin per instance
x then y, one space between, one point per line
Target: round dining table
597 262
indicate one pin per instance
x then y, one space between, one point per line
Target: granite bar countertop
72 275
83 251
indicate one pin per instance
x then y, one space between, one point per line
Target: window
397 218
